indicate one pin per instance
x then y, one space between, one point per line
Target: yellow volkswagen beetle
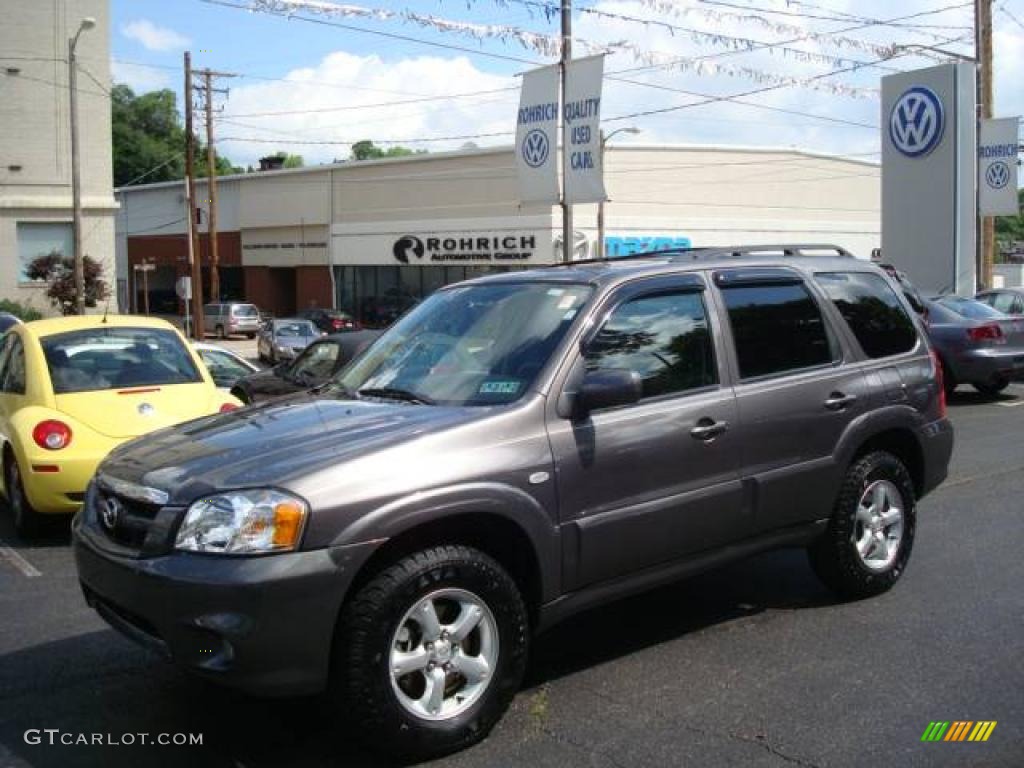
73 388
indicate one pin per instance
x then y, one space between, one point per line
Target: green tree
290 161
149 140
58 272
1012 227
367 150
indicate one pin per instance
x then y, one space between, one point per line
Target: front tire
867 544
430 652
27 522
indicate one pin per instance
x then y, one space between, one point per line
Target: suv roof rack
723 252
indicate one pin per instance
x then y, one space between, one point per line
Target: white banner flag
584 175
536 136
997 167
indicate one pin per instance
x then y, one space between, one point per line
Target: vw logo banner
997 167
537 136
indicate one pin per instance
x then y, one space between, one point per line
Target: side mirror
607 389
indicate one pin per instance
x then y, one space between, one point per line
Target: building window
37 238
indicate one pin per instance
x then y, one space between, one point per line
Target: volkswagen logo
110 512
997 175
535 148
916 122
146 409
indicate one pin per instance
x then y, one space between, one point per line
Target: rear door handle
708 429
837 401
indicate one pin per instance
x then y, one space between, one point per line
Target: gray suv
518 448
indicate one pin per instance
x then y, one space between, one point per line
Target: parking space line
1011 405
14 558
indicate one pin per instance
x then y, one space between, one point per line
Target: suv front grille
132 527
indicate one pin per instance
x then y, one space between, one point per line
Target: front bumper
263 624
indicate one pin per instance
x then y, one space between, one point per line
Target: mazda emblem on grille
110 513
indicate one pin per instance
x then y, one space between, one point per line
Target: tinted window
970 308
776 328
318 361
222 366
664 338
872 310
244 310
295 329
104 358
14 371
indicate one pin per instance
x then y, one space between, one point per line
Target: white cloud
346 80
139 78
153 37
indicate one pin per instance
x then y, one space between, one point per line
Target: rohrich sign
928 172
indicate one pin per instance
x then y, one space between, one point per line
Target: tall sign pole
195 263
567 228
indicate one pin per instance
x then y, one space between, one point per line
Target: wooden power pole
211 176
195 264
985 97
567 226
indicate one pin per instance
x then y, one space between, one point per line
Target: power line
1010 16
154 169
375 141
403 102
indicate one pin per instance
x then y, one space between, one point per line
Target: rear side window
14 371
872 310
776 328
665 338
1002 302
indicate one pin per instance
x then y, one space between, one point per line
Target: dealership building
373 237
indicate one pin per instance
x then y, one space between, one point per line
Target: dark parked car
330 320
283 339
314 366
7 320
977 344
1009 301
515 449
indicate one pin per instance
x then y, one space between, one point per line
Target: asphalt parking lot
752 665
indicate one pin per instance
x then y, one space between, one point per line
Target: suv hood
270 444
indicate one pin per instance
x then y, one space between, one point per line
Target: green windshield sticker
499 387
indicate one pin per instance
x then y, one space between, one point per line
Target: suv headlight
243 522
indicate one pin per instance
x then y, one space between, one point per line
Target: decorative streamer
550 45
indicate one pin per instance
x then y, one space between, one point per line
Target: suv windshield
469 345
103 358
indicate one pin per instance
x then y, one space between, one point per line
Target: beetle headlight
243 522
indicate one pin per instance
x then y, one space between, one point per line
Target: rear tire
27 522
219 331
475 671
867 544
949 381
992 388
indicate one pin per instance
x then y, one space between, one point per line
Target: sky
333 81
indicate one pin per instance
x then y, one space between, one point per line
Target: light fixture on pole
76 172
600 206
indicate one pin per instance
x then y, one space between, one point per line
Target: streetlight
76 172
600 206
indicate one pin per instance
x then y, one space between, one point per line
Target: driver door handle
837 401
708 429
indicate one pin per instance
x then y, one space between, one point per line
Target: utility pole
211 176
983 52
76 168
195 263
567 228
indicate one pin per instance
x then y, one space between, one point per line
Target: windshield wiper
394 393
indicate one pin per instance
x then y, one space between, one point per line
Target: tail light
338 323
228 407
990 332
940 380
52 435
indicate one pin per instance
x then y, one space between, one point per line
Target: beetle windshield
469 345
